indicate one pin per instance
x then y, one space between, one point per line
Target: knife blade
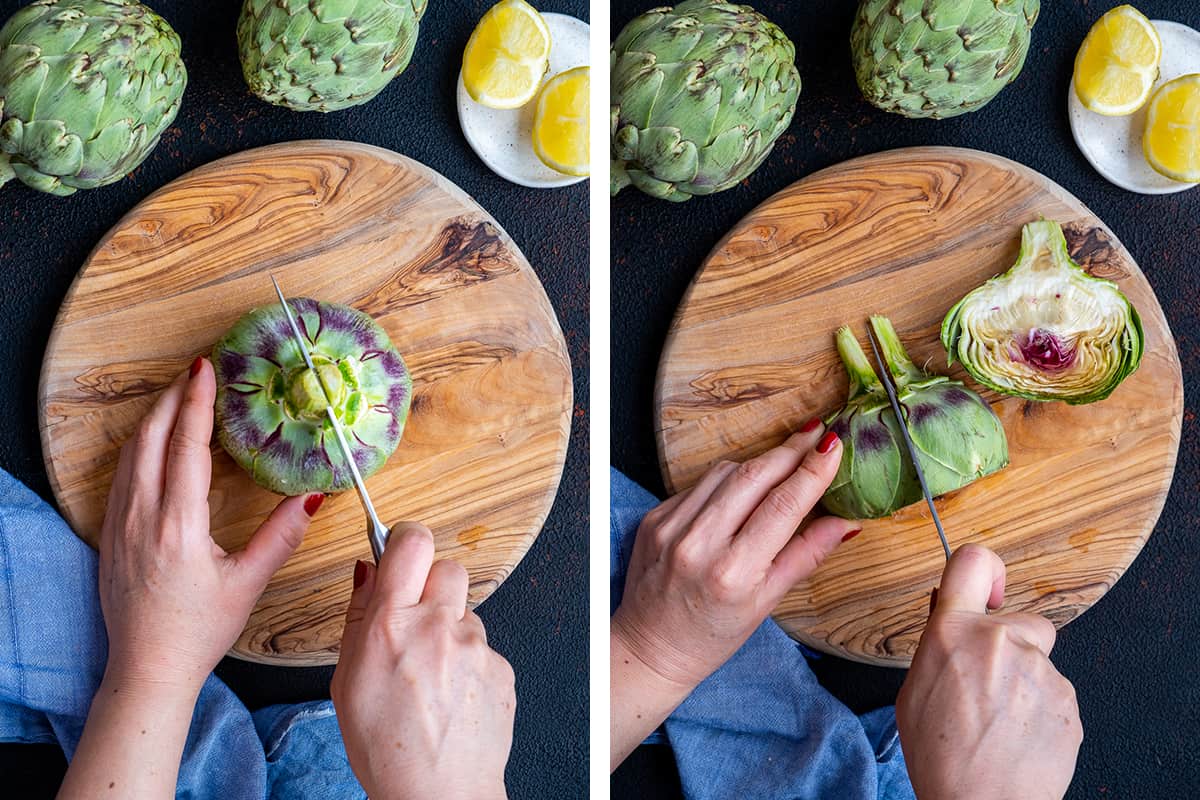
886 376
377 532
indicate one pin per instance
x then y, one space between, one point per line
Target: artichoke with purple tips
958 437
270 407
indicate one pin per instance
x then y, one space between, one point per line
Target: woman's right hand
425 706
983 713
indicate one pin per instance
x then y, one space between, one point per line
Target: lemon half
507 55
1117 64
560 124
1171 140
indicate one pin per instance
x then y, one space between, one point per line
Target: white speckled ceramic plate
504 138
1114 144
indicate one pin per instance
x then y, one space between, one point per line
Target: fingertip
413 539
809 548
451 569
363 584
973 580
312 504
829 443
200 375
999 572
293 520
448 585
414 531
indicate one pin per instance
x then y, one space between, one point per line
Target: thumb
277 538
973 581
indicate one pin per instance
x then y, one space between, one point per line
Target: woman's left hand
174 602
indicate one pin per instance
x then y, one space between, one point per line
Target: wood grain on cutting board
906 233
341 222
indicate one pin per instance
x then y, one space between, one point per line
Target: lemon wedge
1117 65
560 124
1171 141
507 55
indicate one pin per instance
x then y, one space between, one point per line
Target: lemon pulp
560 127
1117 64
1171 140
507 55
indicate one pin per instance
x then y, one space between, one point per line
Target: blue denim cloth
52 651
761 726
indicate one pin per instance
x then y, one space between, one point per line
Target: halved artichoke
958 437
270 408
1046 330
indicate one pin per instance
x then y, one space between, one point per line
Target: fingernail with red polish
360 573
851 535
196 365
827 443
312 503
933 600
811 425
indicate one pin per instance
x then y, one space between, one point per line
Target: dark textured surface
538 618
1132 657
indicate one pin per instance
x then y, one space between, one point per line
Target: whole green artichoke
958 437
700 92
270 407
325 55
939 58
86 89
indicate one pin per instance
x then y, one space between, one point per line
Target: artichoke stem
6 170
618 178
900 365
863 379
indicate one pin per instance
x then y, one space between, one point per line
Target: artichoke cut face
1046 330
271 408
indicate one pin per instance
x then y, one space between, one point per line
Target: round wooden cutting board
348 223
906 234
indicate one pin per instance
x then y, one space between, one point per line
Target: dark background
1132 657
538 617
